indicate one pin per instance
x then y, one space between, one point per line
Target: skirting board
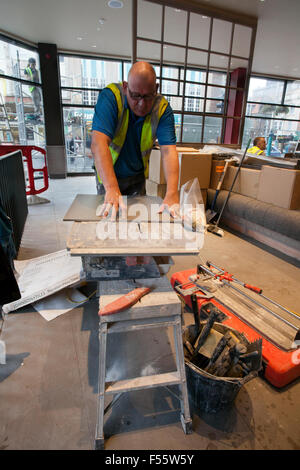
275 240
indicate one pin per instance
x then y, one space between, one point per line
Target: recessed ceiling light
115 4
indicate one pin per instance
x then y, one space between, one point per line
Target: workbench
122 255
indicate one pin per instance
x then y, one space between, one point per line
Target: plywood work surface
83 208
122 238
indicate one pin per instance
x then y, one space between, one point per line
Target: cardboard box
155 189
156 172
280 187
217 167
195 165
159 190
247 182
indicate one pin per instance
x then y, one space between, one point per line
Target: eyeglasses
138 97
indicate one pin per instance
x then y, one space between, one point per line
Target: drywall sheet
45 275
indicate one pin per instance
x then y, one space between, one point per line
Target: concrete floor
49 383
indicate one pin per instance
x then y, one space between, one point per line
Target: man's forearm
103 161
171 168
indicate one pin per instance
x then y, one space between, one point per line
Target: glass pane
221 36
21 118
126 68
192 128
85 97
199 31
285 133
193 104
170 72
174 54
197 59
145 28
15 59
77 128
217 78
212 130
194 75
292 95
215 92
169 88
175 102
175 25
88 73
217 61
177 119
265 90
148 51
194 89
272 111
214 106
241 40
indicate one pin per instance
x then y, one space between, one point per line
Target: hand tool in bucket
211 213
214 227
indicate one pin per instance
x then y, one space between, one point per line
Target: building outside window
273 110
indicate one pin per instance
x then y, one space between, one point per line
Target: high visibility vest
149 128
255 150
29 71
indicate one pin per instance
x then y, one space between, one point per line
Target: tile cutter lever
228 283
229 277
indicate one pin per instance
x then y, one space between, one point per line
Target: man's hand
113 202
171 204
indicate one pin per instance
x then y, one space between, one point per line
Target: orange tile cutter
281 365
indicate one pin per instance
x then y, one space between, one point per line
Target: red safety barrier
27 158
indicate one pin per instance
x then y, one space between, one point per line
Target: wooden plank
160 302
138 383
132 239
84 206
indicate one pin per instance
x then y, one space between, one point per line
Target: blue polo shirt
129 162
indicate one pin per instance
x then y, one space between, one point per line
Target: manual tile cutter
280 337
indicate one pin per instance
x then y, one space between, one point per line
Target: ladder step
138 383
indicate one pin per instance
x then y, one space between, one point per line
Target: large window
273 110
195 56
21 104
81 80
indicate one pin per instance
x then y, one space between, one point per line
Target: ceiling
74 25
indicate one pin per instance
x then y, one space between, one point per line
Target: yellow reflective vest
255 150
150 124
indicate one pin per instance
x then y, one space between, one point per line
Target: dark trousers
130 186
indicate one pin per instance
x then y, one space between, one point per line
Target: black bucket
208 392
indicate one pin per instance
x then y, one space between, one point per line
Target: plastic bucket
208 392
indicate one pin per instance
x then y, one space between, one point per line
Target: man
33 75
128 117
259 145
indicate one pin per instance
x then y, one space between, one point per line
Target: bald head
141 88
142 71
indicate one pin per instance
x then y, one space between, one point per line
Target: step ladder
161 308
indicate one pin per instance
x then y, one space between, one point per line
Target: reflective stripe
149 128
255 150
28 69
